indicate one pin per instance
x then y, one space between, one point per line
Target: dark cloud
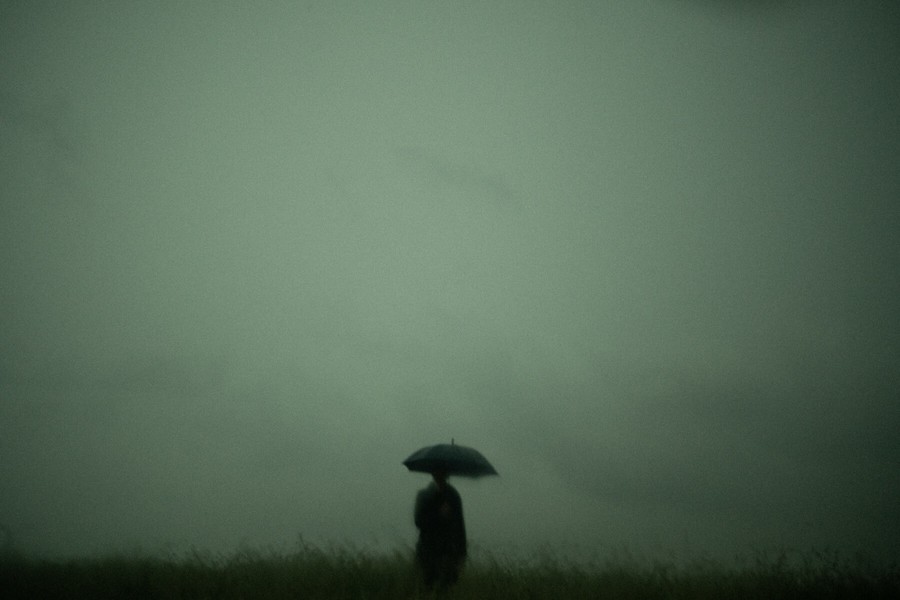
746 8
641 256
43 147
439 172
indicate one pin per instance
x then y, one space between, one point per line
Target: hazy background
643 255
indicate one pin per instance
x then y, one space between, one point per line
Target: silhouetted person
441 549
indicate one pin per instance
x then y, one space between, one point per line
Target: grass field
311 572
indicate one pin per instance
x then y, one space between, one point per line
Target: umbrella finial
452 441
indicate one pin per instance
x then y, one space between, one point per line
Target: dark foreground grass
313 573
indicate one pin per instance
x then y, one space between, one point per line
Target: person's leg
449 571
430 570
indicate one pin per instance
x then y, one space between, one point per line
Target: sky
642 255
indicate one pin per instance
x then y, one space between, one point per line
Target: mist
643 256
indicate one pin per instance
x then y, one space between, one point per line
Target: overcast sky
643 255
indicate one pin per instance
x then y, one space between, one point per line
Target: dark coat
442 532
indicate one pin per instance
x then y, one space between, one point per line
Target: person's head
440 478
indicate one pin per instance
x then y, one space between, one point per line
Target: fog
642 255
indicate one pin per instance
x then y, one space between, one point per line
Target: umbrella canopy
451 459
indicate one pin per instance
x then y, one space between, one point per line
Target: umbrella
450 458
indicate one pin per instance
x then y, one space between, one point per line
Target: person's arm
460 526
424 515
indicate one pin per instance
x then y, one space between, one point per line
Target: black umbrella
451 459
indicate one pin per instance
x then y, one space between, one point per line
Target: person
441 549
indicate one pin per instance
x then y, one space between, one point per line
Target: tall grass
346 573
